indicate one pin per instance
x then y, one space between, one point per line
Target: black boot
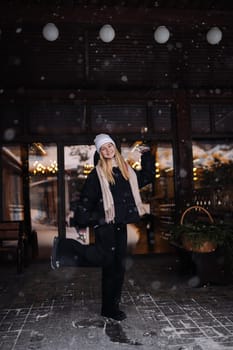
117 315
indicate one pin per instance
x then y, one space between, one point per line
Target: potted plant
201 236
204 248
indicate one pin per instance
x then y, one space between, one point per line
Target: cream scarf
107 195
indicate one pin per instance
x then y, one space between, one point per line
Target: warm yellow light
39 168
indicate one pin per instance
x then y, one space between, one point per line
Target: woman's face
108 150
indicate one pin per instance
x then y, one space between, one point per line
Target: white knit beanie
101 139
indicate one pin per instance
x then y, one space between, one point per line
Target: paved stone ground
59 310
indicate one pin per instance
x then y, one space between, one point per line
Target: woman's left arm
146 175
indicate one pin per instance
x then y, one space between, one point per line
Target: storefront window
213 173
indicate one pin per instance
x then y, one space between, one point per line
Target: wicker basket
207 246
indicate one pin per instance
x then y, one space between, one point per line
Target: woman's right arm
147 174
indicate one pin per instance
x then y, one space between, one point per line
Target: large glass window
207 118
213 174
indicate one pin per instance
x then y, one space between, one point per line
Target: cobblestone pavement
59 310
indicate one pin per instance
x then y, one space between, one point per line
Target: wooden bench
13 241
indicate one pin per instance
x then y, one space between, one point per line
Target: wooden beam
85 95
92 15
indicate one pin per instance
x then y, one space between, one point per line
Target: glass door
160 195
79 161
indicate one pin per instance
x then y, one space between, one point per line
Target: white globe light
214 36
107 33
9 134
161 34
50 32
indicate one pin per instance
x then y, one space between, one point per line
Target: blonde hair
106 165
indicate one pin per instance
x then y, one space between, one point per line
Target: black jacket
90 209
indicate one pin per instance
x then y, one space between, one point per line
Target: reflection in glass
79 161
213 173
132 154
160 194
223 118
200 118
43 186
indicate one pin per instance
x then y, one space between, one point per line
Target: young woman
109 200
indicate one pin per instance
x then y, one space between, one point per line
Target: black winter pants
114 240
109 252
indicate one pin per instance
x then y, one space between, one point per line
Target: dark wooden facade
79 75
